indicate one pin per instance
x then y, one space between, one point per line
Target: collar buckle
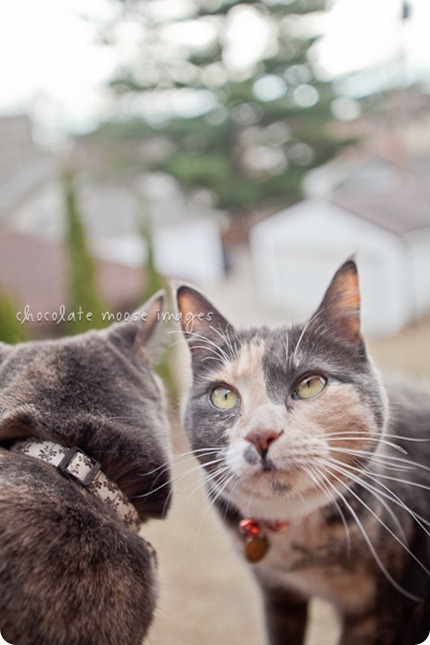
80 466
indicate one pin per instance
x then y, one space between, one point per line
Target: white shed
295 253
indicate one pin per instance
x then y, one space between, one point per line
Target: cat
320 471
73 569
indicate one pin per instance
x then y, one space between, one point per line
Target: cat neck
271 514
278 510
77 465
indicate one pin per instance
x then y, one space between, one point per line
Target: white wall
418 245
190 250
41 213
296 253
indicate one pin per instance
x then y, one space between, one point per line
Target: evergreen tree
259 128
84 299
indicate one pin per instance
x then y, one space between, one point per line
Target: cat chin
288 509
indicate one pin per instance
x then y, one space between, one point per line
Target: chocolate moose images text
62 315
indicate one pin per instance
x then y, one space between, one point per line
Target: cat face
96 391
280 418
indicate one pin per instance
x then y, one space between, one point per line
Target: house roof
392 195
34 272
399 211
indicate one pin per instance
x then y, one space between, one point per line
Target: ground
207 595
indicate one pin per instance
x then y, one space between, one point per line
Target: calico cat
83 433
320 472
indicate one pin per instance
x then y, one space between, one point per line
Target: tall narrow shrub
11 330
84 301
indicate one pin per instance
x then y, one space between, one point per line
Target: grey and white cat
72 570
319 470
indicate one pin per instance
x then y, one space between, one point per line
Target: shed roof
393 196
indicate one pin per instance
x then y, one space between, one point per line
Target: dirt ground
207 594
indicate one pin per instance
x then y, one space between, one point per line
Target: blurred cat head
97 391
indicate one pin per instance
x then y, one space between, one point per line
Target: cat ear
150 315
201 322
340 307
141 327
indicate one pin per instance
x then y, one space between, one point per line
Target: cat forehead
249 350
274 352
243 370
246 359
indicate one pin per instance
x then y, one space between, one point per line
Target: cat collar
75 463
255 534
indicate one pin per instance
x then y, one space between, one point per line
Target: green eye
223 398
310 387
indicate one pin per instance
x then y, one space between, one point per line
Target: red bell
249 528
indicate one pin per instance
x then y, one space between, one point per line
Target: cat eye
310 387
224 398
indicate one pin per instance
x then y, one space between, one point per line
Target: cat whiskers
352 436
388 462
194 514
386 435
293 358
320 480
387 493
334 470
169 465
206 504
418 518
200 486
222 478
217 481
287 348
217 353
233 348
206 343
354 475
217 474
371 546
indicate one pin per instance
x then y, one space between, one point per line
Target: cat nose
262 439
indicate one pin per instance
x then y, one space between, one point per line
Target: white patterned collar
76 464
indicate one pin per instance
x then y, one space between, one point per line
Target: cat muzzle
76 464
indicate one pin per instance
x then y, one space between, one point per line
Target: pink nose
262 439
